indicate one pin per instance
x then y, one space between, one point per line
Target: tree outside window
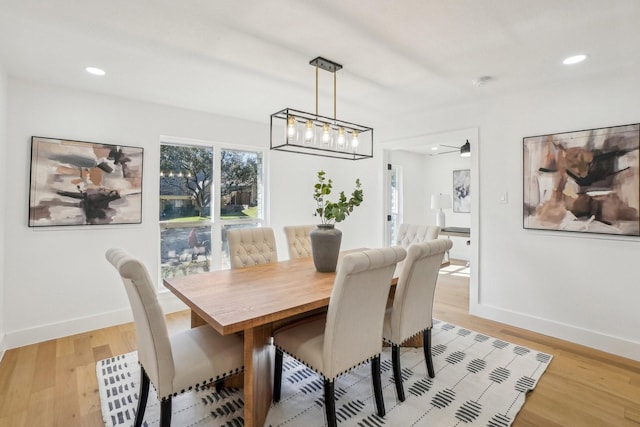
186 175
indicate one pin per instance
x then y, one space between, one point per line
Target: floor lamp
440 202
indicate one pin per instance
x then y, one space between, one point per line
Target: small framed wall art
461 188
84 183
585 181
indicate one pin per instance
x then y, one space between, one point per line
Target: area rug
480 381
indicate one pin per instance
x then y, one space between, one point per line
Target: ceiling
250 58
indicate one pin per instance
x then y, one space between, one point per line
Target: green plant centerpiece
328 211
326 239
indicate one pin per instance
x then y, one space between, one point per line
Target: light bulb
308 133
326 137
354 141
341 137
171 174
291 126
161 173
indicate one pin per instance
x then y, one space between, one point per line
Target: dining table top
238 299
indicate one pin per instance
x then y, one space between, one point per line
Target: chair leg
277 375
330 403
397 371
426 345
165 412
377 385
142 398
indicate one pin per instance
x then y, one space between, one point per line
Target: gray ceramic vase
325 247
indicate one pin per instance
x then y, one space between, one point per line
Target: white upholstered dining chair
251 246
409 234
412 308
175 363
351 331
298 240
416 233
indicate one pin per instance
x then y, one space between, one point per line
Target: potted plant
326 239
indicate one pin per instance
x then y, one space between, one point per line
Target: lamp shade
440 201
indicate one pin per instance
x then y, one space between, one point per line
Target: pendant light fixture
306 133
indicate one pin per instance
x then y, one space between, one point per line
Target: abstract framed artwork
84 183
461 188
584 181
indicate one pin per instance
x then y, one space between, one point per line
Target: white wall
3 199
57 281
576 287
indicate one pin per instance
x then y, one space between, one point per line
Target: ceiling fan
464 149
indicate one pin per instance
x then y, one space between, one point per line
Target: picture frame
84 183
584 181
462 190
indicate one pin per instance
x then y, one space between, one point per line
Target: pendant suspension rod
334 96
331 67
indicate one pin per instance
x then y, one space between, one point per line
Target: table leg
196 320
258 380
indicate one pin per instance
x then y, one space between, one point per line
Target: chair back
154 347
413 301
408 234
298 240
251 246
353 330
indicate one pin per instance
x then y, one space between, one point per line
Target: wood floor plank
20 381
67 402
632 415
88 396
102 352
16 419
44 376
93 419
41 404
7 365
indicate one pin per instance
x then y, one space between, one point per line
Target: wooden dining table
252 300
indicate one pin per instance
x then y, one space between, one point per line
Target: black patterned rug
480 381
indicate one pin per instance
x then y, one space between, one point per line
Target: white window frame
398 213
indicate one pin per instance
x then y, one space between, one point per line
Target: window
240 194
192 227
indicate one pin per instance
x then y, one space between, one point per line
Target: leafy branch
330 212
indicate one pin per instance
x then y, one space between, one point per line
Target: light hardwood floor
54 383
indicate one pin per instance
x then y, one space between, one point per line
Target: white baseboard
614 345
50 331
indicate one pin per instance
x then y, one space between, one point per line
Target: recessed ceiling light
574 59
434 148
95 71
